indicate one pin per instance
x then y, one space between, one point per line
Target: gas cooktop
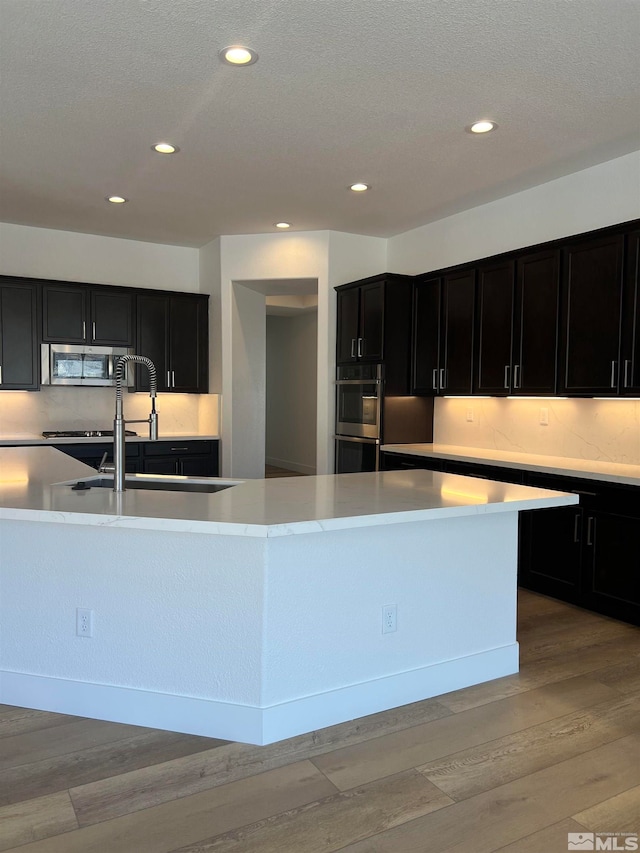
83 433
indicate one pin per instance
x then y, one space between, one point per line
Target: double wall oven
358 417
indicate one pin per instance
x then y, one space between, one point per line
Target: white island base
271 630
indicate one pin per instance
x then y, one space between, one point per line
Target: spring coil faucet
119 421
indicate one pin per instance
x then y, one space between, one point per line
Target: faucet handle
104 467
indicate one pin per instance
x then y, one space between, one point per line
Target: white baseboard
291 466
250 724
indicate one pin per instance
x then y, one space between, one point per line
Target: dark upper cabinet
630 344
443 334
76 314
535 324
591 303
172 330
427 309
374 325
456 333
494 373
18 337
361 323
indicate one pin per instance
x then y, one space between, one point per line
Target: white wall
592 198
331 258
209 275
67 256
292 367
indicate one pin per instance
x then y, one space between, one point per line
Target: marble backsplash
603 430
93 408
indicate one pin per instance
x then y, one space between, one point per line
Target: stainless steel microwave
69 364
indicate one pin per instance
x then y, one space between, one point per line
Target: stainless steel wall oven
358 417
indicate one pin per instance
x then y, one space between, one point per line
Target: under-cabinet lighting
608 399
467 397
535 398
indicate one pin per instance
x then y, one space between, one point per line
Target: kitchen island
255 613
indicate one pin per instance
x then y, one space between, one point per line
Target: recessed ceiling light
359 188
165 148
283 225
117 199
483 126
237 54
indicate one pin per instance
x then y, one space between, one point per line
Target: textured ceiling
370 90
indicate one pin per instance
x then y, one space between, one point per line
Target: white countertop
610 472
34 439
273 507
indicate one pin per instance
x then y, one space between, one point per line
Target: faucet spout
119 421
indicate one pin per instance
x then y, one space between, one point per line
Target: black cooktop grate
83 433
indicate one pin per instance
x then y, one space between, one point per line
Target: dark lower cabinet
611 565
587 554
192 458
550 547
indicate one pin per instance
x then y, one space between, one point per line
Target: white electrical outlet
389 618
469 415
544 416
84 622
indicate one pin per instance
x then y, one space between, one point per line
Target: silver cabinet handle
353 347
173 379
576 537
179 448
627 365
168 379
360 347
93 329
443 377
84 329
613 374
516 376
591 529
506 376
0 374
434 380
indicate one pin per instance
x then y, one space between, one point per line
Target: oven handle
358 381
356 439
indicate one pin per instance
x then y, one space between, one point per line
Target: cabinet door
111 318
550 551
372 322
152 339
18 337
188 344
495 312
535 327
612 557
630 354
64 314
426 336
592 288
456 334
348 308
160 465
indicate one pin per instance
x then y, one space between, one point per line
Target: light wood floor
512 765
273 471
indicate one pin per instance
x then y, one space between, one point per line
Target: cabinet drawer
178 447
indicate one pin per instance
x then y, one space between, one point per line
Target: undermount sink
161 485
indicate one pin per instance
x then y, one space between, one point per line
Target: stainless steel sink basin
167 485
